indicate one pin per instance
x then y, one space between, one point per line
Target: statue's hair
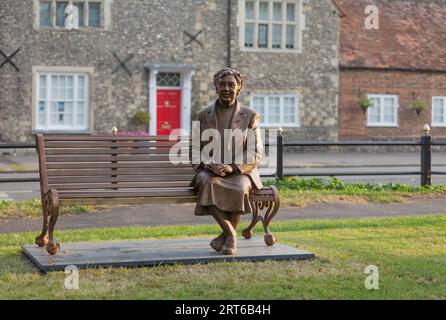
229 72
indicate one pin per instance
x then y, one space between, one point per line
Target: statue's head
228 83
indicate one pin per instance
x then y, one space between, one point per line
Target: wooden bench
110 169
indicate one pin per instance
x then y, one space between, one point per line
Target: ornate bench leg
42 239
53 211
247 233
271 208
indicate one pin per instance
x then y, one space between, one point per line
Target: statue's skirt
229 193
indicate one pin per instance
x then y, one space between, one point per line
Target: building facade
85 66
398 62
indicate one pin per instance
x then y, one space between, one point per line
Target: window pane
277 34
168 79
42 87
61 107
389 110
290 12
249 35
273 109
259 107
389 118
69 107
80 10
249 10
94 14
263 11
80 120
69 90
41 106
81 88
277 11
60 13
290 37
289 110
374 111
61 88
53 119
438 110
53 107
80 113
41 114
53 87
68 119
389 104
45 14
263 35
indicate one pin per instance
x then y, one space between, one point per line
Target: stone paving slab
156 252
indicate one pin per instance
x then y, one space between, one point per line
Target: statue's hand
226 169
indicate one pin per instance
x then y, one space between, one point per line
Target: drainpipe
229 33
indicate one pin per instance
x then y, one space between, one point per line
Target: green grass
409 252
300 192
19 167
33 208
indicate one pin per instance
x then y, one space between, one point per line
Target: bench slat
106 144
168 192
94 173
185 151
112 201
108 138
136 178
89 165
109 158
121 185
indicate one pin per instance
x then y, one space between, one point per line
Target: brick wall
409 86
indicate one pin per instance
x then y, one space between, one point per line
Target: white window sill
382 125
438 125
62 29
267 50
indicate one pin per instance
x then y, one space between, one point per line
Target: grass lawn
299 192
410 253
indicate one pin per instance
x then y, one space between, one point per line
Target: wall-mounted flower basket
419 106
141 118
364 104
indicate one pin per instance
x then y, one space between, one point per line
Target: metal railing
425 143
425 171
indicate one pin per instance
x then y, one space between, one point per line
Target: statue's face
228 89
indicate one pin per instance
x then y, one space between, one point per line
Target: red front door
168 111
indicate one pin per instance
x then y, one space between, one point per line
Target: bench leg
248 233
42 239
52 247
271 207
269 215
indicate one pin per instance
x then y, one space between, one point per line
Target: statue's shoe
218 243
230 247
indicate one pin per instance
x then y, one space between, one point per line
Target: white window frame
48 98
105 15
381 123
264 121
299 26
439 124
